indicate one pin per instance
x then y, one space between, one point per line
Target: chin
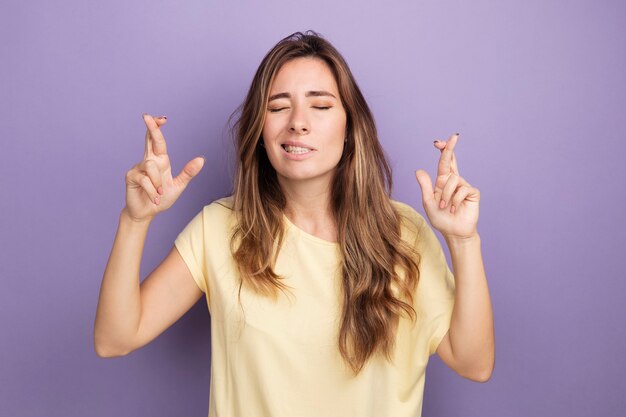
305 175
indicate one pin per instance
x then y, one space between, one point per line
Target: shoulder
409 217
415 229
224 204
218 212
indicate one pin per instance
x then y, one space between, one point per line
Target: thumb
190 170
428 196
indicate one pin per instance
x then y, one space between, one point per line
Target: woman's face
305 122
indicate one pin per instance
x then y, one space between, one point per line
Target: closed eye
283 108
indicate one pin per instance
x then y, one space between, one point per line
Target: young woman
326 297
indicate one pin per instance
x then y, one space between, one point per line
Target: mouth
296 149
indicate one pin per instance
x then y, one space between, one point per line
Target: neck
308 206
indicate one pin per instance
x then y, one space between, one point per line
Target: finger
148 144
426 185
160 121
445 161
439 144
154 137
151 169
453 166
190 170
462 181
147 186
457 199
439 189
452 140
448 190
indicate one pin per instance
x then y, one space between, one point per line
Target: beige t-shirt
281 358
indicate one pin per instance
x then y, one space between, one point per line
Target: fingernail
452 209
442 204
160 190
143 115
157 200
163 117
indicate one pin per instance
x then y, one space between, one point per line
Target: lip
297 157
298 144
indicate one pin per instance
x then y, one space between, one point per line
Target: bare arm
469 345
119 304
452 208
130 315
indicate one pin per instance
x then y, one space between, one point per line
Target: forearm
119 305
471 328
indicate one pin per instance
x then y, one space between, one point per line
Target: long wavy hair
379 270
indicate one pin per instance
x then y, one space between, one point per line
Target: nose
298 123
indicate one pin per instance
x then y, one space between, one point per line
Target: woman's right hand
150 188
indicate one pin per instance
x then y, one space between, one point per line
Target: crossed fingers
447 161
454 188
155 142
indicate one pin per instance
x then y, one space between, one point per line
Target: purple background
536 89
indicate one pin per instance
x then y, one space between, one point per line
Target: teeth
296 149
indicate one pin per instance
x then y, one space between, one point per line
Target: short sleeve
190 245
437 285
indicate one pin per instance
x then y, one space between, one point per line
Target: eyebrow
319 93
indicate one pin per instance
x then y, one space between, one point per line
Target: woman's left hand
458 217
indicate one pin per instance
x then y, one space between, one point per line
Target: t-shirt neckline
308 235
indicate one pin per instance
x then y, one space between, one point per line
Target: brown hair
368 226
